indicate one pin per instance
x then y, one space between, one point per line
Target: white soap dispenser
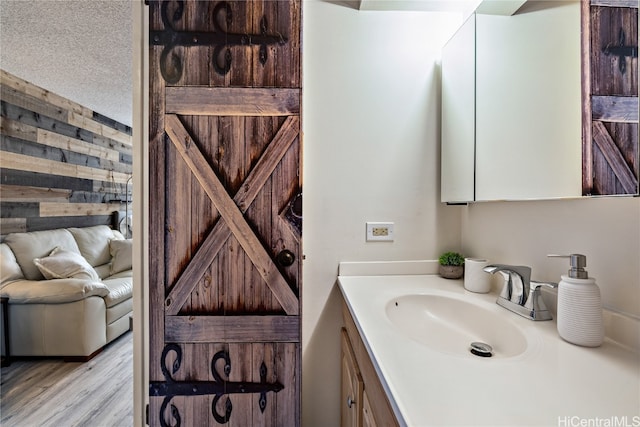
579 305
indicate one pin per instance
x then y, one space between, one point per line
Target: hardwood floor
51 392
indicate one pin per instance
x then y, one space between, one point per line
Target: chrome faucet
520 294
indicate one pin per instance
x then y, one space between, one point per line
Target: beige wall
371 153
606 230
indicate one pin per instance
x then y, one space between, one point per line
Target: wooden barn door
611 153
225 214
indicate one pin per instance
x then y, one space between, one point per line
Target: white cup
475 278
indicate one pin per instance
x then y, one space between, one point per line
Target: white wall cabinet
526 139
458 115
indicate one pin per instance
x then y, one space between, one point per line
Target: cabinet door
458 115
367 414
528 119
611 156
351 387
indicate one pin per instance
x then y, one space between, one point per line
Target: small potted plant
451 265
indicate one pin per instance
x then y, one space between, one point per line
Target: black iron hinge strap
217 388
220 39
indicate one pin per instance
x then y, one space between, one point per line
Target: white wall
606 230
371 122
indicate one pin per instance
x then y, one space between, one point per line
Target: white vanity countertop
553 383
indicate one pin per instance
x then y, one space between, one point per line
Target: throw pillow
63 264
121 255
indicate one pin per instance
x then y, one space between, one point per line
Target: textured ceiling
81 50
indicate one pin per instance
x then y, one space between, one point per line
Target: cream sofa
70 290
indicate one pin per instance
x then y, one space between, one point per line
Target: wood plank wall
61 164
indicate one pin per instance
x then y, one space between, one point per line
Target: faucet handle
522 270
534 286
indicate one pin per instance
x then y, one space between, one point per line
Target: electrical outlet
379 231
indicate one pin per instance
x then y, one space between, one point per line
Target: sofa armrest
54 291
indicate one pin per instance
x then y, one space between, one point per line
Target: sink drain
481 349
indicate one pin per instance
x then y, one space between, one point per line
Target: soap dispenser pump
579 305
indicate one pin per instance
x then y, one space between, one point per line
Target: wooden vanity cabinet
352 387
363 401
368 419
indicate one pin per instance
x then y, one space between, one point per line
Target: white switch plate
379 231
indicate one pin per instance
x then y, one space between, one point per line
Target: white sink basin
449 325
